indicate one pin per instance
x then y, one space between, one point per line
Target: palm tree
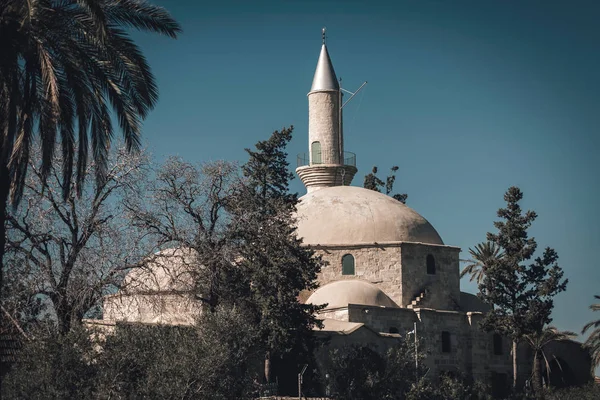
64 66
593 341
480 259
537 341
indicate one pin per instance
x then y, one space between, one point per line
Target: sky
468 98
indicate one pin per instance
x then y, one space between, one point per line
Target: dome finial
323 34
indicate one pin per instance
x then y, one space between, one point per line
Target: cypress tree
521 291
276 264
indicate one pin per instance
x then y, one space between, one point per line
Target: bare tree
71 253
186 207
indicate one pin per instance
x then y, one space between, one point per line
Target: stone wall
168 308
382 319
379 265
443 287
400 271
471 349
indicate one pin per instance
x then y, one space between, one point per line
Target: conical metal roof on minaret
325 78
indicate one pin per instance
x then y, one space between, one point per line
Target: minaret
326 163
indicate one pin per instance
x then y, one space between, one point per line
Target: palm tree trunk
4 191
538 387
514 361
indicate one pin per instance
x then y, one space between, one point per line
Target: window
393 329
430 265
315 153
348 265
446 342
497 344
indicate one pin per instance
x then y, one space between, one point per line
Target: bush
587 392
54 367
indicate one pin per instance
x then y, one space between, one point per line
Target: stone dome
350 291
350 215
169 270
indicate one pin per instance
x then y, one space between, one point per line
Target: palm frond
142 15
76 62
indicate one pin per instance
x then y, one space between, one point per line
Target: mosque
389 272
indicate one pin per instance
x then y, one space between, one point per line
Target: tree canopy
373 182
522 292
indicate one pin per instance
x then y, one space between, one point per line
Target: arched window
446 345
497 344
315 153
430 264
348 264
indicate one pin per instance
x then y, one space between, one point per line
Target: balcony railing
326 157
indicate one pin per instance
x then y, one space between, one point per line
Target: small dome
341 293
351 215
169 270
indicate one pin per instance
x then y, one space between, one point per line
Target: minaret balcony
327 158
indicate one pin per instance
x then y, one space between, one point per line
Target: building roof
349 215
470 302
324 78
339 294
341 327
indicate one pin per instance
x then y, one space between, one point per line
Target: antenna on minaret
323 34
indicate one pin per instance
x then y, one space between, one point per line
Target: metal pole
300 381
354 94
416 354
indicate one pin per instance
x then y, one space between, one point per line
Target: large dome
350 215
350 291
169 270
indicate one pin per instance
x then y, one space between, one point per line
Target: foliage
372 182
68 254
210 360
359 372
522 293
480 258
55 367
274 262
64 65
590 391
593 341
449 388
537 341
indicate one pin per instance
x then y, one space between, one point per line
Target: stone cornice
377 245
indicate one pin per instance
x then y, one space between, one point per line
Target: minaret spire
326 163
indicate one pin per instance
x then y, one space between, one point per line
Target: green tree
364 373
537 341
53 367
272 257
522 293
208 361
593 341
211 360
63 66
480 258
372 182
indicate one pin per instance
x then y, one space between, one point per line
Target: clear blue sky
466 97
